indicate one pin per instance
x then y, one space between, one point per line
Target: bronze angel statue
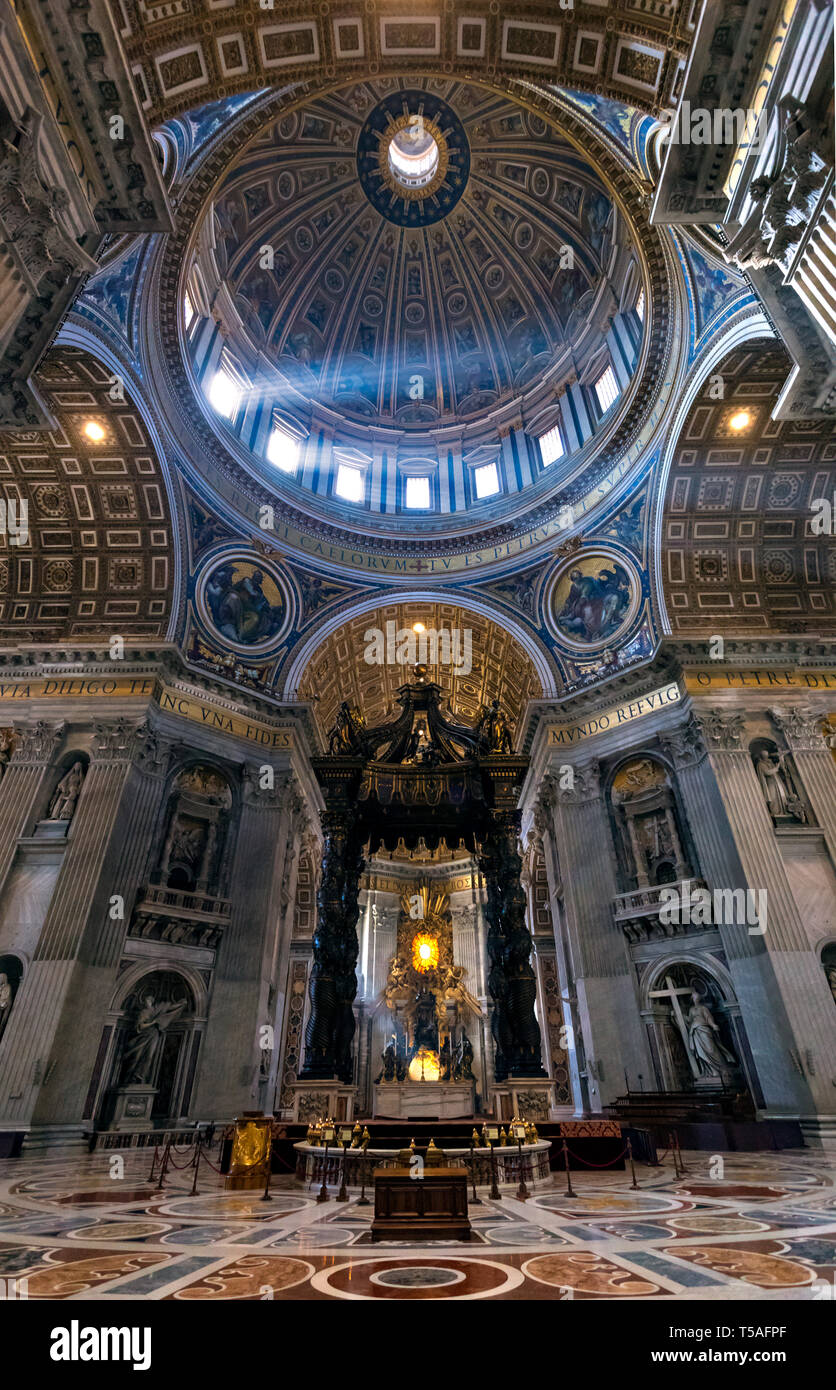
346 737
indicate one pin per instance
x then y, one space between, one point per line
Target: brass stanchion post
477 1201
363 1201
523 1193
164 1164
265 1196
570 1191
195 1165
494 1194
342 1195
674 1153
633 1184
323 1191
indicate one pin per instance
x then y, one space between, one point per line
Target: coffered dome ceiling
375 305
414 277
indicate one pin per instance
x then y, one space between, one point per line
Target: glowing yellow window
424 952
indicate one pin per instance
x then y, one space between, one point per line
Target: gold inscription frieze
568 732
169 699
700 680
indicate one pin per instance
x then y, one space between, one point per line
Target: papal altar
425 1100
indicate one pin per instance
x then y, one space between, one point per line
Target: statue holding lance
146 1040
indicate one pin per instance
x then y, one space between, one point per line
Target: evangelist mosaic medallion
594 600
245 602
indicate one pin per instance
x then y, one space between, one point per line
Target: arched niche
11 975
779 782
828 961
157 1022
195 841
651 844
695 1034
61 794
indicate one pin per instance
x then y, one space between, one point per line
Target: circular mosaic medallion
245 602
413 158
593 600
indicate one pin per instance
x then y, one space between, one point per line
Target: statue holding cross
699 1030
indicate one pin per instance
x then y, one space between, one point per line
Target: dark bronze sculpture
422 774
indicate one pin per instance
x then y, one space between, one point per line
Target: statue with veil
145 1041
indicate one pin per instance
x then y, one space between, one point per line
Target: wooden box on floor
432 1207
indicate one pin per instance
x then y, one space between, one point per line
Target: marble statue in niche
6 1001
145 1040
11 971
592 600
694 1040
703 1039
66 794
6 747
777 784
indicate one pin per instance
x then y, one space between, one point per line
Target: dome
400 258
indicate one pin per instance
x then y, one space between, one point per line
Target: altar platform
593 1145
314 1164
425 1100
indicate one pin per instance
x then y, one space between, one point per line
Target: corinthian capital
150 751
722 729
685 745
264 788
36 743
802 727
114 742
575 784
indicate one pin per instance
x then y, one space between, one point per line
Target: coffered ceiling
738 552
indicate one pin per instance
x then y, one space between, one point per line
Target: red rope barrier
181 1166
587 1164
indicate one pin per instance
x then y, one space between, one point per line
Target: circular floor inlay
398 1278
420 1277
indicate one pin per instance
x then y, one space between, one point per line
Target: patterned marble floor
756 1226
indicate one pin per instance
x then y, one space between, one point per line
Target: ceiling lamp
418 627
94 431
740 420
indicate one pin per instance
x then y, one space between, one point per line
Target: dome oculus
413 158
413 154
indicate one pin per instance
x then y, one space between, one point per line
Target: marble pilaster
21 784
607 1008
228 1074
50 1045
780 1085
801 983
